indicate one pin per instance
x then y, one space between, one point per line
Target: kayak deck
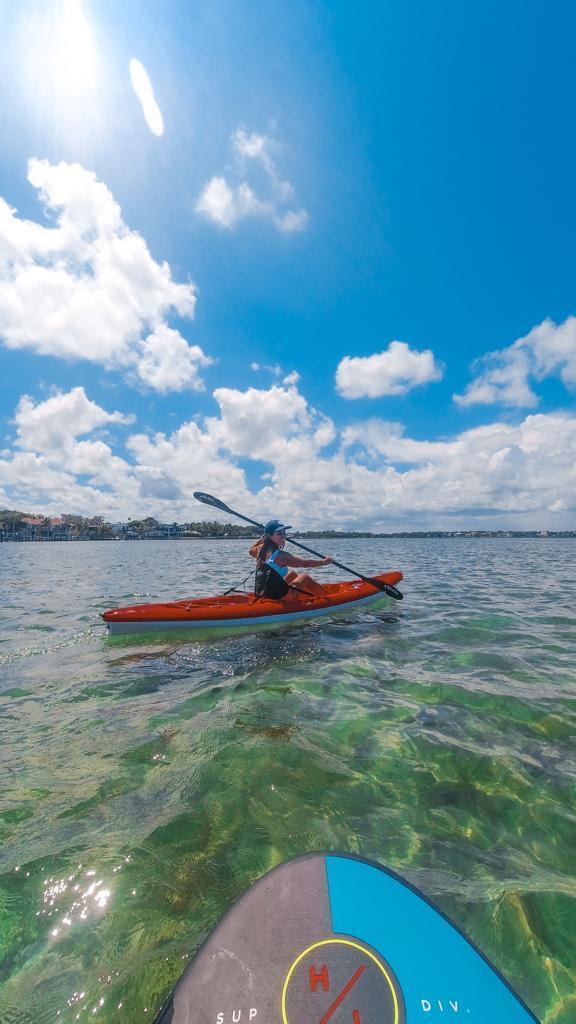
244 610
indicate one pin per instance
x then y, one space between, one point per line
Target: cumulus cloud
143 88
504 376
55 424
272 425
88 287
51 452
394 371
168 363
226 204
385 440
370 475
528 467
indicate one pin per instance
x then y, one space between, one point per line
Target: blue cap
274 525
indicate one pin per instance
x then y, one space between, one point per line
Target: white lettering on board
427 1006
235 1016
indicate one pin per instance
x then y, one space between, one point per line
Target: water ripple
436 736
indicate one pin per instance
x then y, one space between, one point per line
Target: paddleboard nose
335 939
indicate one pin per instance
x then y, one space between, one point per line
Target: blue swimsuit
281 569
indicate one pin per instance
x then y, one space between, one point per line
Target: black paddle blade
209 499
388 589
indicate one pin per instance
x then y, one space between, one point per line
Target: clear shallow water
145 782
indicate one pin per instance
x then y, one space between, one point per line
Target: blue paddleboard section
443 977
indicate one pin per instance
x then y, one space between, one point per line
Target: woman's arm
301 563
256 548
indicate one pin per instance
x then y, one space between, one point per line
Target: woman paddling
275 575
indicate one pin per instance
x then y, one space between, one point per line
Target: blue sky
314 258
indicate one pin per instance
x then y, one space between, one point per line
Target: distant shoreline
415 535
17 526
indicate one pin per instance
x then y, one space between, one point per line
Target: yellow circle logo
340 981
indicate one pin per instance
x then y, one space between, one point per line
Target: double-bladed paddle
387 588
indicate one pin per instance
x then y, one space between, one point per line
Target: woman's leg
305 582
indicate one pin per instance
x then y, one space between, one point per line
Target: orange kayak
245 611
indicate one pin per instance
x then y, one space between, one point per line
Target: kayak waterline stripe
442 967
138 625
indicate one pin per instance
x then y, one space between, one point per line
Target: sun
75 54
60 65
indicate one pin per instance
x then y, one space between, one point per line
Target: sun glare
60 61
75 54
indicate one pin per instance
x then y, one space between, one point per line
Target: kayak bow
245 611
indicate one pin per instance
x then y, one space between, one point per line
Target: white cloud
293 221
288 379
291 378
87 288
370 475
189 459
392 372
55 424
42 470
168 363
384 439
261 424
554 350
275 369
143 88
227 204
548 350
504 468
252 146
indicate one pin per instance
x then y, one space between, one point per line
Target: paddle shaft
386 587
